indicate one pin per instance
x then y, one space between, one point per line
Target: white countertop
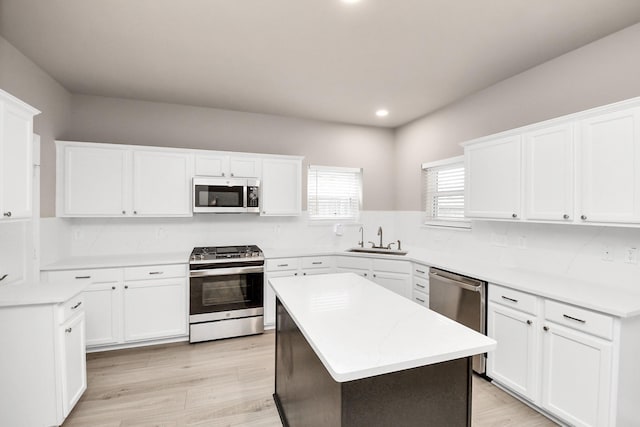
38 293
121 260
359 329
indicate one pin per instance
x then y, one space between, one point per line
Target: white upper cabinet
108 180
281 187
94 181
16 157
493 179
228 166
161 183
609 159
549 173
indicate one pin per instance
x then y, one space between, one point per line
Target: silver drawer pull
420 286
156 272
509 299
83 277
420 271
3 277
574 318
420 299
316 263
283 265
68 330
76 306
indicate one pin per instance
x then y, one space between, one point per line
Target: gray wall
100 119
605 71
25 80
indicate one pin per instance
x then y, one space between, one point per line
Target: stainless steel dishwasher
462 299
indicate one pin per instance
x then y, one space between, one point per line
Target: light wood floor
221 383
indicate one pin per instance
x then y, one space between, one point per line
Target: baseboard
136 344
529 404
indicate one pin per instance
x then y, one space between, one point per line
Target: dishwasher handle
463 285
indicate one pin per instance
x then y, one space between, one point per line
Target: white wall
599 73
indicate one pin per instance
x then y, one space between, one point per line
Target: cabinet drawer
391 266
579 318
316 262
282 264
71 307
353 263
421 298
421 285
155 272
514 299
94 275
420 270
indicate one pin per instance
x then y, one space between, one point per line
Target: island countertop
359 329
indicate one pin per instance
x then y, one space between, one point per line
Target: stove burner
221 253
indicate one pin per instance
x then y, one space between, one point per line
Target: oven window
222 293
219 196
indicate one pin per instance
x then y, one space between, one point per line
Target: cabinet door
155 309
270 296
161 184
95 181
17 165
549 173
609 174
245 167
493 179
103 311
74 368
514 362
281 187
211 165
398 283
576 381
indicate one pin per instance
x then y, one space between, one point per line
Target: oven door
219 195
224 293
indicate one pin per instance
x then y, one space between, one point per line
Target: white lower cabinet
42 362
567 360
391 274
126 305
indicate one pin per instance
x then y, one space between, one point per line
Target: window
443 190
334 193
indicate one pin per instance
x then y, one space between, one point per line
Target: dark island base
306 394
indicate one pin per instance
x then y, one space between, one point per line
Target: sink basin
377 251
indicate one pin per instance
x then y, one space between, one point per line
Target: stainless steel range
226 292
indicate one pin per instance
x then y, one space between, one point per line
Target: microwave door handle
245 195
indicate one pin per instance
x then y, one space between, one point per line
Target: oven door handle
226 271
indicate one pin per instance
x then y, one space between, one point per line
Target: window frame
462 224
340 219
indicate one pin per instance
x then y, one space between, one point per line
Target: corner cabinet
110 180
42 362
281 187
16 157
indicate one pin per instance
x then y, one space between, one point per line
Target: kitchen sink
377 251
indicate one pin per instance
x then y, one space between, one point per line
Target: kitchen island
349 352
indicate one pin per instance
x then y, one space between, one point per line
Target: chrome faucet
380 234
361 242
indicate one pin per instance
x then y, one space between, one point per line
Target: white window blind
443 184
334 193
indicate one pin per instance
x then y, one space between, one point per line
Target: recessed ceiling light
382 113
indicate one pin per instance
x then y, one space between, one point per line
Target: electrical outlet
522 242
631 255
161 233
607 254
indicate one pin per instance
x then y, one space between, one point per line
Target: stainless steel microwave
226 195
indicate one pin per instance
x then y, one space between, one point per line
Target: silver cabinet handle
232 174
565 216
7 214
295 274
113 288
316 263
83 277
124 212
77 305
546 328
365 274
304 274
574 318
514 215
420 299
421 286
3 277
283 265
222 173
126 286
529 322
509 299
375 275
583 217
135 212
156 272
420 271
68 330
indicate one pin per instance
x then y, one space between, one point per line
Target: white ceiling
319 59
